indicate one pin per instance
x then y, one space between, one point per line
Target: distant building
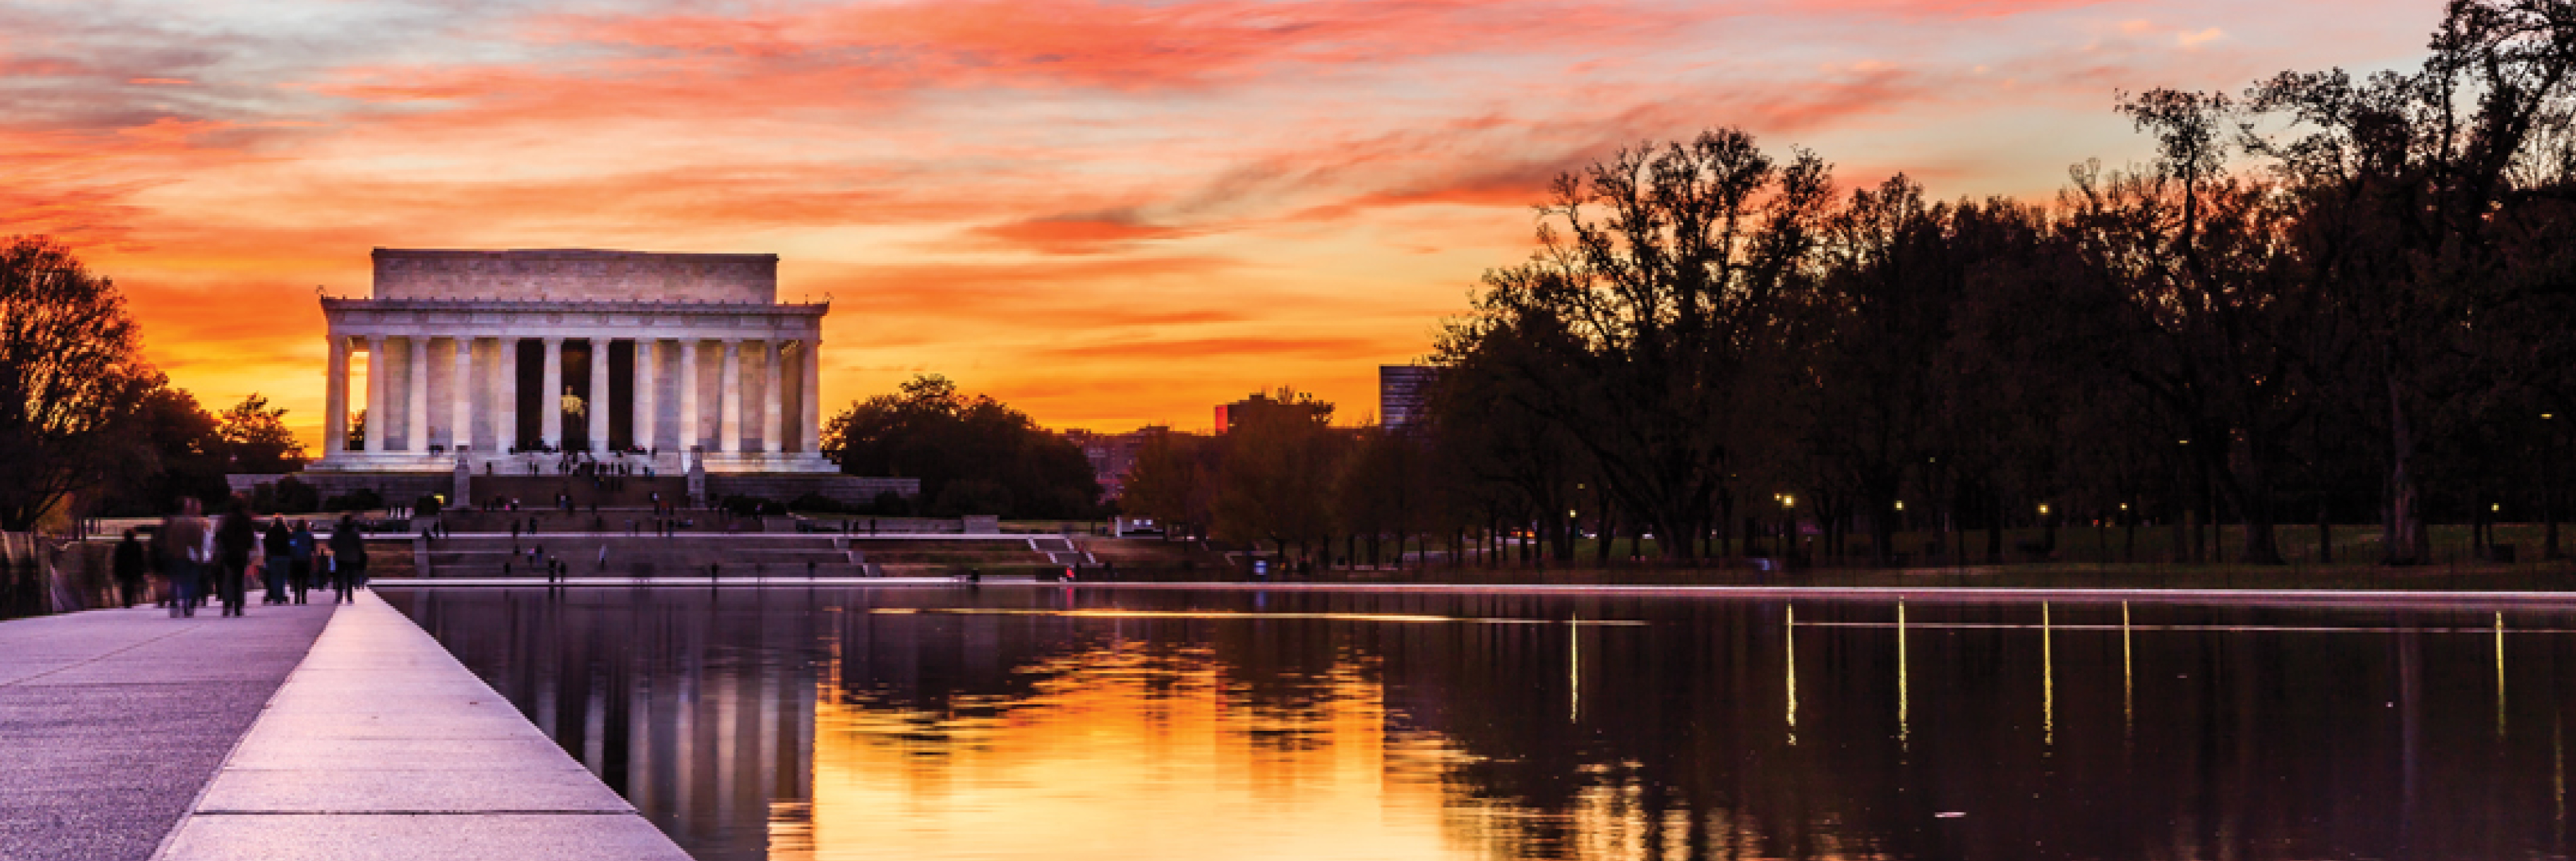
1233 415
1403 395
1113 456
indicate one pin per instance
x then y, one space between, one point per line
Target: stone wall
575 275
397 488
845 489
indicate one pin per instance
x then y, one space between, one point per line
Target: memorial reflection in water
1024 724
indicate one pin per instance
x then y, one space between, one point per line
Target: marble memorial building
495 360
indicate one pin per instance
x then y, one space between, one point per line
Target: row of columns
730 437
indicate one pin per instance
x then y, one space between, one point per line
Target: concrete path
112 721
381 746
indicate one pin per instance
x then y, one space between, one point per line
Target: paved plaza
291 733
115 720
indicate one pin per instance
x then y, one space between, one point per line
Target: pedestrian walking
278 547
185 550
299 571
127 564
603 556
235 538
348 559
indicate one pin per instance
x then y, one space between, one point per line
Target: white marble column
598 401
693 424
773 383
645 401
460 425
550 407
810 431
376 419
416 399
729 399
335 399
505 393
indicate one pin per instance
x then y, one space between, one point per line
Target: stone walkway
113 721
381 745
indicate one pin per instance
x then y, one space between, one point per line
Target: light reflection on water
1050 724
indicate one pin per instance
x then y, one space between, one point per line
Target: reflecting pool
1061 724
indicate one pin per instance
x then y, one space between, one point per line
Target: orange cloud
1081 233
1104 211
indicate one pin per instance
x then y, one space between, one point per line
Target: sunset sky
1105 213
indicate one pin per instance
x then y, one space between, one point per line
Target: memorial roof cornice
816 309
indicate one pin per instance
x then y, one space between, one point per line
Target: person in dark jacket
299 572
183 556
235 538
128 566
348 559
277 548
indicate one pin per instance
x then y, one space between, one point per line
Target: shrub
890 504
296 497
747 505
361 499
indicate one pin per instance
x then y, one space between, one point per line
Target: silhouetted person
299 570
277 548
186 548
128 564
235 538
348 560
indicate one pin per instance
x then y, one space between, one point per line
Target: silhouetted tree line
2329 299
973 454
1285 480
87 426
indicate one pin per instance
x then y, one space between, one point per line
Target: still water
1017 723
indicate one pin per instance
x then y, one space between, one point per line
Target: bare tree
68 373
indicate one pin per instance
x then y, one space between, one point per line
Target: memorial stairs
536 493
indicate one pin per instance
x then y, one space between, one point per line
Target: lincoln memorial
491 362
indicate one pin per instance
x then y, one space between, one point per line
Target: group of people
190 552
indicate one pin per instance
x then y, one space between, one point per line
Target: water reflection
1025 724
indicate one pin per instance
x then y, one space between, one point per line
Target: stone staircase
536 493
1059 550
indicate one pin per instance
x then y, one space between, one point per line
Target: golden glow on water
2048 680
1121 756
1790 634
1392 618
2499 650
2128 678
1904 699
1574 675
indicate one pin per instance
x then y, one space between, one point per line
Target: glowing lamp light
1788 501
1900 505
2043 509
